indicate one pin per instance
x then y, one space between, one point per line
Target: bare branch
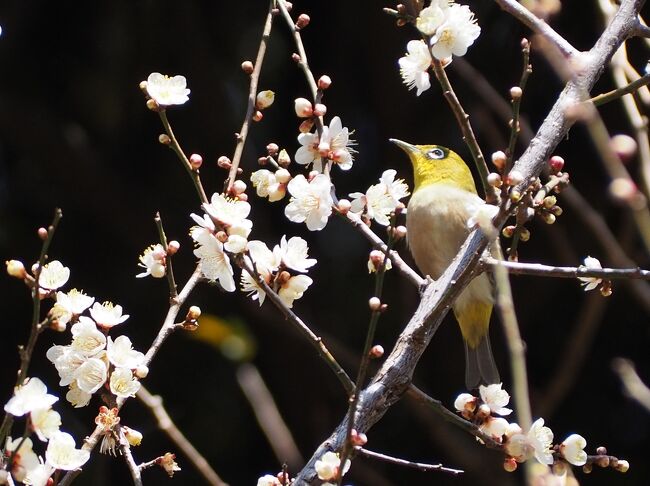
634 387
518 268
403 462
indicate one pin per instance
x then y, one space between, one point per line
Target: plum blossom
123 384
265 262
45 422
537 442
62 454
77 397
121 353
327 467
380 200
71 304
432 17
66 361
153 261
107 314
166 90
268 480
456 33
39 475
590 283
25 459
293 254
86 338
91 375
294 289
214 263
334 144
311 202
495 427
267 184
53 275
495 398
230 213
573 450
31 395
414 66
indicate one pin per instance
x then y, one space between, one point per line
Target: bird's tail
480 368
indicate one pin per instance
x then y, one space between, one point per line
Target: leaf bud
247 67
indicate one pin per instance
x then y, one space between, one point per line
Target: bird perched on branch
443 200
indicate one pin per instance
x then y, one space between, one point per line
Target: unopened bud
622 466
344 206
196 161
247 67
257 116
494 179
143 88
499 159
306 126
556 163
510 465
400 232
483 411
272 149
549 202
377 351
303 108
515 177
602 461
624 146
289 6
295 57
133 437
515 196
142 371
606 288
601 451
549 218
302 21
400 22
358 438
557 210
153 105
323 148
222 236
242 197
587 468
282 176
193 313
239 187
374 303
623 189
312 174
508 231
224 162
15 268
57 326
516 93
324 82
264 99
320 109
42 233
173 247
401 8
262 161
524 234
284 159
164 139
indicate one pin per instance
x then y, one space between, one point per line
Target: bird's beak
406 147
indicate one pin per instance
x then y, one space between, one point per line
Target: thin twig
165 423
169 270
26 351
632 383
617 93
252 94
537 25
462 119
268 416
515 128
403 462
125 448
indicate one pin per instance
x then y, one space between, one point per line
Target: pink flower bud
358 438
320 109
623 189
295 57
173 247
515 177
247 67
142 371
196 161
306 126
374 303
303 108
494 179
624 146
516 93
400 232
556 163
377 351
510 464
272 148
324 82
282 176
239 186
344 206
303 21
42 233
224 162
257 116
499 159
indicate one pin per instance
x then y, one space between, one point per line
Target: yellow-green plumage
444 198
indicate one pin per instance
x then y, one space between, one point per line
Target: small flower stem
615 94
26 351
403 462
175 146
365 359
252 94
303 328
173 292
165 423
466 128
515 128
130 462
149 464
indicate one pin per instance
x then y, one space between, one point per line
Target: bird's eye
436 153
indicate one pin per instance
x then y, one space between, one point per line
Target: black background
75 133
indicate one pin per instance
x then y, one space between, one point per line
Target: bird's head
434 164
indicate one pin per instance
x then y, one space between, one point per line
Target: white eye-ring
436 153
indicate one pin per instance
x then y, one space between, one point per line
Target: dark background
75 133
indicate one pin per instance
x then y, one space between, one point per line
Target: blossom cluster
449 28
380 200
487 411
223 231
32 399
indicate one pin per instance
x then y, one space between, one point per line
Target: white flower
123 383
378 205
71 304
86 338
573 450
91 375
293 254
268 480
432 17
62 454
308 151
46 422
235 244
311 202
294 288
482 217
536 443
376 259
495 427
166 90
107 314
204 222
415 65
230 213
29 396
495 398
66 360
77 397
327 467
214 263
265 262
395 188
264 99
39 475
267 185
121 353
153 261
456 34
590 283
53 275
134 437
25 459
465 401
338 137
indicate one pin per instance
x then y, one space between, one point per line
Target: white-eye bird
444 198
